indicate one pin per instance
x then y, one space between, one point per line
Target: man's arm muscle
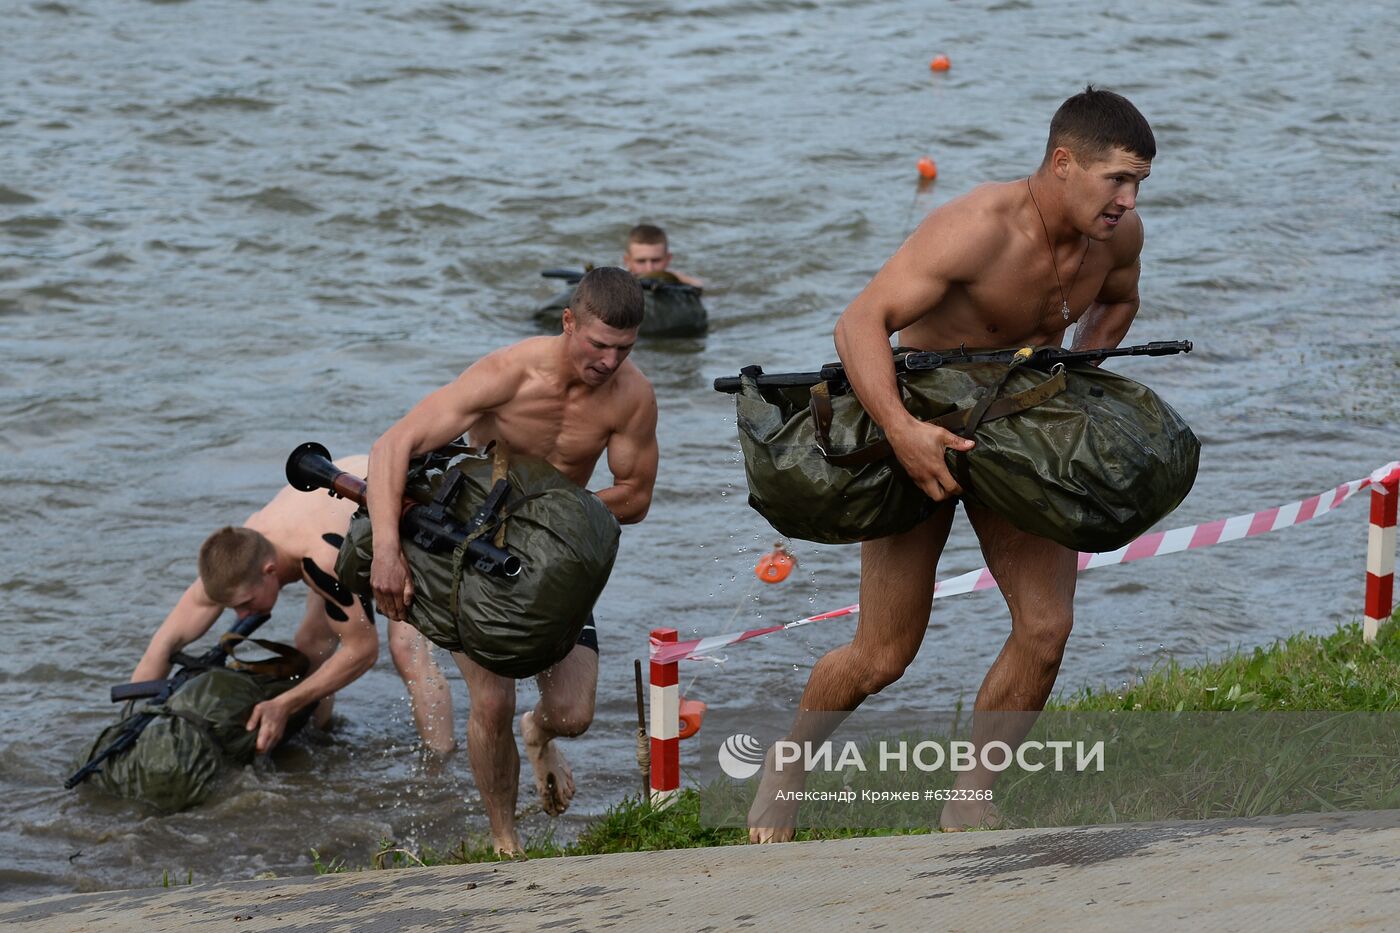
359 649
913 282
1106 321
188 621
632 459
441 417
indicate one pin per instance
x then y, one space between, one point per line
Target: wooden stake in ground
643 748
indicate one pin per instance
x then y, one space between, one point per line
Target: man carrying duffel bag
1009 264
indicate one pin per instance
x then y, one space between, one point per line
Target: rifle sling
963 422
289 664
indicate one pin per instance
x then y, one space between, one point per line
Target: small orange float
775 566
927 168
692 715
940 63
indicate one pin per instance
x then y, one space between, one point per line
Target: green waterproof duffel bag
192 739
672 308
565 538
1077 454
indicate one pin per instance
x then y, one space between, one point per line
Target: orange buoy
692 715
775 566
927 168
940 63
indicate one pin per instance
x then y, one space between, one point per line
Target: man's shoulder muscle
969 231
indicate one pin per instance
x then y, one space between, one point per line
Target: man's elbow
382 447
367 657
634 509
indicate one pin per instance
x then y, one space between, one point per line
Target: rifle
431 526
647 282
161 690
917 361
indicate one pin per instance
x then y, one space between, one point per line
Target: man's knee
493 710
1044 639
569 717
405 653
877 671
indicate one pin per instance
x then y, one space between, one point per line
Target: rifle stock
926 360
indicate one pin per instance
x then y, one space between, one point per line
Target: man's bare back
297 522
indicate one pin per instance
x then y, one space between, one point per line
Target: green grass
1178 766
1337 672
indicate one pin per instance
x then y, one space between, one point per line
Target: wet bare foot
770 819
554 781
509 847
960 815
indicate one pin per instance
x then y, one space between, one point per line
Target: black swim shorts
589 636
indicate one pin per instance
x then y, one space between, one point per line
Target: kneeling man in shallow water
295 538
566 399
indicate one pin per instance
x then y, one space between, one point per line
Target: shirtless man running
1008 265
565 399
295 537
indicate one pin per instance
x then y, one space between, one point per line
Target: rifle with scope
161 690
429 525
916 361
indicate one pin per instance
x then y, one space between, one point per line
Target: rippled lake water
227 228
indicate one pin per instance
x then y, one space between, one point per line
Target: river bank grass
1178 765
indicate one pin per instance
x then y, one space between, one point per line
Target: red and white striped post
1380 554
665 724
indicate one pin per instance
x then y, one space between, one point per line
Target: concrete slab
1313 872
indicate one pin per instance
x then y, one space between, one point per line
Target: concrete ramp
1310 872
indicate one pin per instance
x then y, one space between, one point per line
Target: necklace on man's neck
1055 266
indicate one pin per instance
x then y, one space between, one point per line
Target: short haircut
647 235
231 559
611 295
1094 121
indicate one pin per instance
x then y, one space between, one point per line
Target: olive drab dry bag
802 495
516 626
1077 454
189 741
673 309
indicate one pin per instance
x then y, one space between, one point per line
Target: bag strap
964 422
289 664
495 527
500 469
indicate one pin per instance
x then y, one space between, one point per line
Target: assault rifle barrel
925 360
310 468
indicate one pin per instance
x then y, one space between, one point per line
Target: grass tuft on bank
1337 672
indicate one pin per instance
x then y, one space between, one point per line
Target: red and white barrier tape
1149 545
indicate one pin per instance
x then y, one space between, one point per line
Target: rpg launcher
430 525
917 361
161 690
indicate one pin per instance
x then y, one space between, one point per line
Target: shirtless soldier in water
565 399
1009 264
